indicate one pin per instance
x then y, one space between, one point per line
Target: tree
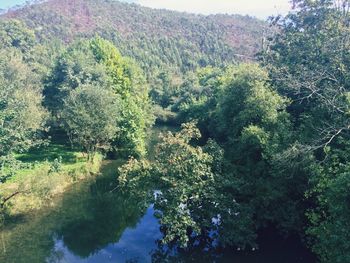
22 117
90 116
128 83
329 227
254 129
14 34
98 63
243 113
238 188
199 98
309 62
185 177
76 66
195 196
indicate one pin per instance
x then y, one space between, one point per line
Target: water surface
92 222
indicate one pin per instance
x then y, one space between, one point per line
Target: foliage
330 224
253 127
250 112
14 33
308 61
164 43
315 75
8 167
274 149
165 116
90 116
184 176
127 82
329 227
98 63
240 110
35 181
22 116
243 186
56 165
76 66
158 39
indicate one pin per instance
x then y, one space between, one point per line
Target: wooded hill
158 39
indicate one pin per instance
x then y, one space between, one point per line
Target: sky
9 3
258 8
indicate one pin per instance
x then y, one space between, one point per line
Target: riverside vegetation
263 142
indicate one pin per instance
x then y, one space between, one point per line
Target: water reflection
91 223
85 222
108 227
134 245
273 249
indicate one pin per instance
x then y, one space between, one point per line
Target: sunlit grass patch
46 172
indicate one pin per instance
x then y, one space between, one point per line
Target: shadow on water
91 223
86 219
273 249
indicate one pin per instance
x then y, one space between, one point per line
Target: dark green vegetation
274 148
94 224
262 145
167 45
81 207
61 108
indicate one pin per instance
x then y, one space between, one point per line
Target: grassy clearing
42 158
48 172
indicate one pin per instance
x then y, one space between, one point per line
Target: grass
49 153
58 147
38 182
40 158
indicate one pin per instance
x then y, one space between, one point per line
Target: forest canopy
255 143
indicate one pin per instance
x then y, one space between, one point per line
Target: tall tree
98 63
129 83
14 33
309 62
90 115
240 189
185 177
253 127
22 117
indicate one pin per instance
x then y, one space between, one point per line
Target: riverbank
88 216
44 174
49 171
87 219
91 222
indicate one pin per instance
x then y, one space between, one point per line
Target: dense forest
165 44
259 115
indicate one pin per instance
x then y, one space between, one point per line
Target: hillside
155 38
114 116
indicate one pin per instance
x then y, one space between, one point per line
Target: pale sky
258 8
10 3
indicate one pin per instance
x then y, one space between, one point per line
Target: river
92 223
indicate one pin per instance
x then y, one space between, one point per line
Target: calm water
92 224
